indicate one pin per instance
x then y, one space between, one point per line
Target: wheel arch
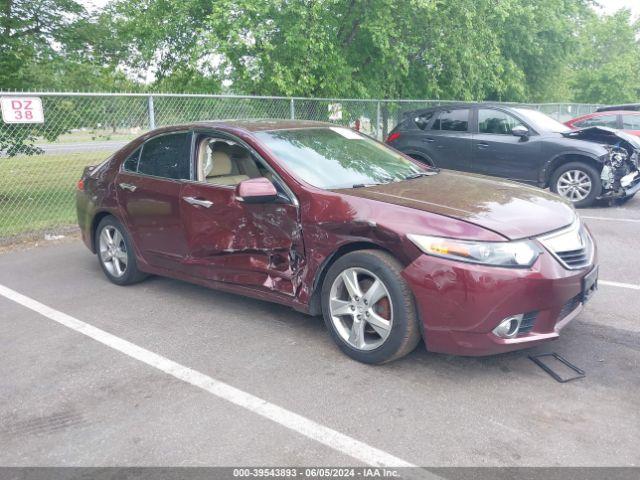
420 157
568 157
97 218
315 303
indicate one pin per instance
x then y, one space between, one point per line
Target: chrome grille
575 258
571 246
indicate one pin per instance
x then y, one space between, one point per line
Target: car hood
604 135
507 208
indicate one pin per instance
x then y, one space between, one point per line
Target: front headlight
519 254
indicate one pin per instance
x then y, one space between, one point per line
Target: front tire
368 307
577 182
115 253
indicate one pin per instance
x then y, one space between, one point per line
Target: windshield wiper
362 185
411 176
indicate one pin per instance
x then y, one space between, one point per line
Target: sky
607 6
610 6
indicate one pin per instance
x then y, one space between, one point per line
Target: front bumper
460 303
633 188
625 190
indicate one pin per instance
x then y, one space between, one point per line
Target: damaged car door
229 240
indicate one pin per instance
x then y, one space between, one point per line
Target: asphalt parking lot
67 398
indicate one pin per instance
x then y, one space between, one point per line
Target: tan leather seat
221 171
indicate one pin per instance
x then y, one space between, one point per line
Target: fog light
508 328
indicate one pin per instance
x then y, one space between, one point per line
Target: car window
167 156
422 120
496 122
224 162
631 122
131 162
601 121
452 120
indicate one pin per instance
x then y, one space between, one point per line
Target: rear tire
577 182
375 322
115 253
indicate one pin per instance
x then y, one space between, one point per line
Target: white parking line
607 219
619 284
331 438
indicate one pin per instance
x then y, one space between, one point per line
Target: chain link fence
40 163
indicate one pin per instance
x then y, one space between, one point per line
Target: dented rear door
254 245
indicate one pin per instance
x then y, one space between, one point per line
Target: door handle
482 146
428 140
198 201
127 186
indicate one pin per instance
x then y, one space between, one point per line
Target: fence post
293 109
151 112
378 120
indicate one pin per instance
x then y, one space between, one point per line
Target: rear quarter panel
98 197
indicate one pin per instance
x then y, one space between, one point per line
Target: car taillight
393 136
80 185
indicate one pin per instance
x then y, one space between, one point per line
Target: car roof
624 107
603 114
450 106
440 107
615 112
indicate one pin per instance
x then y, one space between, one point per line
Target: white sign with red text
22 110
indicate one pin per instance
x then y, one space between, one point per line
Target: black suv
523 145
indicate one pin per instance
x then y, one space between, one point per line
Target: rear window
452 120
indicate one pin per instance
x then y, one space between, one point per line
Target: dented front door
255 245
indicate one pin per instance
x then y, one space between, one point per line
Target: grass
38 193
81 136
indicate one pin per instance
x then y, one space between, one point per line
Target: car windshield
336 157
542 122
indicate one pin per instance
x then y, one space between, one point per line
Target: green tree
456 49
30 30
161 41
607 65
54 45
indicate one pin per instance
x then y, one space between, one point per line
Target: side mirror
520 131
256 190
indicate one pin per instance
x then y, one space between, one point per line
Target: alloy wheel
113 251
360 308
575 185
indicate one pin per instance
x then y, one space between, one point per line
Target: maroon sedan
331 222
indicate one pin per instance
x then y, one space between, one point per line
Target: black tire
404 334
594 176
131 274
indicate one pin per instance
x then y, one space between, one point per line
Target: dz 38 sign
22 110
